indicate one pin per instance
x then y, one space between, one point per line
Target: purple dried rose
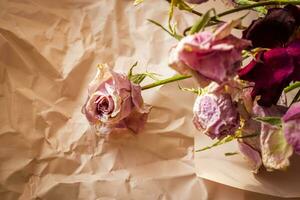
275 29
114 102
272 71
215 56
291 126
215 115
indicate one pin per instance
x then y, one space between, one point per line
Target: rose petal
252 155
292 134
293 112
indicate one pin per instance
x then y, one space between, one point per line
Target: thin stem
165 81
258 4
292 87
246 7
192 10
247 136
198 13
296 97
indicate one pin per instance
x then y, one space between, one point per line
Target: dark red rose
272 71
275 29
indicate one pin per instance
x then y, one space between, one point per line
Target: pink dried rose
215 56
216 115
291 126
114 102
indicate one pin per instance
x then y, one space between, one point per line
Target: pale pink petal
252 155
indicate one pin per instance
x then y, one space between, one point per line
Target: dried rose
114 102
272 71
291 126
275 29
215 115
215 56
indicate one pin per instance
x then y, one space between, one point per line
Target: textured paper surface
48 54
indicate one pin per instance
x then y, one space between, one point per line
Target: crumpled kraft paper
48 54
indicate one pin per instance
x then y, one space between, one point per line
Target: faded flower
114 102
215 56
216 115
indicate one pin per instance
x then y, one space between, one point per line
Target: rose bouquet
243 82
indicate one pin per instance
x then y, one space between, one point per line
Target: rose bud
114 102
215 115
291 126
215 56
275 29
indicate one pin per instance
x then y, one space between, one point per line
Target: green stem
165 81
292 87
246 7
192 11
263 3
198 13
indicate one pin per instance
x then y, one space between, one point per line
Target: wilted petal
293 112
249 145
291 126
252 155
103 74
292 134
137 99
275 149
136 120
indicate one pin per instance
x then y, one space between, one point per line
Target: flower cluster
236 99
241 101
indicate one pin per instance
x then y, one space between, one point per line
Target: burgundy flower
275 29
272 71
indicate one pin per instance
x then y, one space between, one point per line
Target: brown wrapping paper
48 54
